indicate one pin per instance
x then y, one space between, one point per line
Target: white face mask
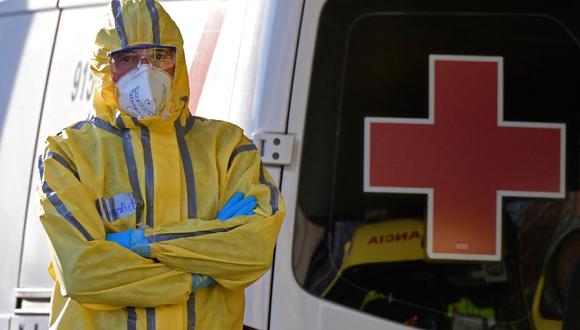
144 91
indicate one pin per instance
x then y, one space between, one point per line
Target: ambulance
427 151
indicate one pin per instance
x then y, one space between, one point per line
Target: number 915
82 83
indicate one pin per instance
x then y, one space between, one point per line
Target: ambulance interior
343 235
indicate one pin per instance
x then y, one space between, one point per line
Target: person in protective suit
143 203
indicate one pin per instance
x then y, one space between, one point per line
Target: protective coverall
170 174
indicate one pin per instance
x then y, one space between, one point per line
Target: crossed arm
103 274
136 241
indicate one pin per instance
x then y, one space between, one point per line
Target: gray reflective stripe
108 207
61 161
154 20
191 312
168 237
102 211
119 25
187 169
98 122
150 318
64 212
131 318
189 124
239 150
273 190
132 171
149 174
41 168
79 125
59 205
119 122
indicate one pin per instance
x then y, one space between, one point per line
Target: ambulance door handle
275 148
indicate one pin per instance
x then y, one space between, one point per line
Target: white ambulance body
253 62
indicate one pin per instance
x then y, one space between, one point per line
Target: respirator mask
144 79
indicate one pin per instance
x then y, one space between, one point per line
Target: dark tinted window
371 60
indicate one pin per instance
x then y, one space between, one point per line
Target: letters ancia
395 237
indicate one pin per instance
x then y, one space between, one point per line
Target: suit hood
129 23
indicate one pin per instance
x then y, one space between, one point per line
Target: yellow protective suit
170 174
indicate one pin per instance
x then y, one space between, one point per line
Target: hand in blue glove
238 205
132 239
200 281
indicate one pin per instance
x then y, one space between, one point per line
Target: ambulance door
265 118
354 254
27 39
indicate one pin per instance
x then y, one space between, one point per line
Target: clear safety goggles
125 60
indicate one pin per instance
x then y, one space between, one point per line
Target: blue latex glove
123 238
238 205
132 239
200 281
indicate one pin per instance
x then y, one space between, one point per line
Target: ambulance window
367 250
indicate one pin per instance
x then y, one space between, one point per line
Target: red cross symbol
465 157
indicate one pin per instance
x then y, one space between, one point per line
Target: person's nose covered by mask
143 76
